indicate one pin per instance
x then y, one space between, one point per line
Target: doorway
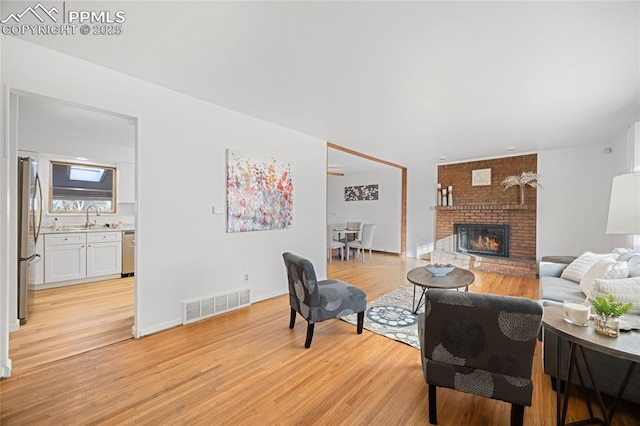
342 161
74 316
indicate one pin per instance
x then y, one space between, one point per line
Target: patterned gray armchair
317 300
480 344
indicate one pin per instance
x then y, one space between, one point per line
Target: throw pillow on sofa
576 269
632 257
603 269
634 265
626 290
621 250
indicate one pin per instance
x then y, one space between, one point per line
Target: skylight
86 174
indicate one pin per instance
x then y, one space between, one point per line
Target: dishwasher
128 253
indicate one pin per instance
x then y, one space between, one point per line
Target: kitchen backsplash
125 215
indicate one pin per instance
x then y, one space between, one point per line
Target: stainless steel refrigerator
29 221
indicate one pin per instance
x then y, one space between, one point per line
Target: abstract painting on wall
259 193
361 193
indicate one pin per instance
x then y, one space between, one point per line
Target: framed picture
361 193
259 192
481 177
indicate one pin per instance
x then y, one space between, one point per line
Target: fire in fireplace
483 239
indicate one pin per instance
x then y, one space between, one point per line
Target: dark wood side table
626 346
424 279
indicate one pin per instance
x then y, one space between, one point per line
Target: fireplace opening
483 239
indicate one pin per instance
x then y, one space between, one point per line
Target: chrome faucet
88 224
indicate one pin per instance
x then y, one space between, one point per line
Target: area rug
391 316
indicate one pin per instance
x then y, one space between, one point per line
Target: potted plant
608 312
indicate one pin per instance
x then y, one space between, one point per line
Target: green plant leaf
607 306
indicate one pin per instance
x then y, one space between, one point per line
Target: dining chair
481 344
333 244
320 300
354 226
366 242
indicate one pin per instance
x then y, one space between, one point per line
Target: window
75 187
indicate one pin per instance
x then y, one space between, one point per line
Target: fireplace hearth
482 239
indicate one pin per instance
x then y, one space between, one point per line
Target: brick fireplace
488 239
485 208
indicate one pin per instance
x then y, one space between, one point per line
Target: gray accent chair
321 300
480 344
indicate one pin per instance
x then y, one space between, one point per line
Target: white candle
576 313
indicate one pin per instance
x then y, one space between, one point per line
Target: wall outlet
245 278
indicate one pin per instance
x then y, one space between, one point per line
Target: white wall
574 204
70 148
33 135
421 201
5 362
183 251
385 212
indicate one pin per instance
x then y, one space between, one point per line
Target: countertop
97 228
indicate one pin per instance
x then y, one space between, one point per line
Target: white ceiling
399 81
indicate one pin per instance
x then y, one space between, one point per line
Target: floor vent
197 309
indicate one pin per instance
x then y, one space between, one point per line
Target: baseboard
5 371
269 296
14 325
157 328
73 282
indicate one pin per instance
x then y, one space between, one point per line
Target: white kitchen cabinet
78 256
65 257
126 183
104 253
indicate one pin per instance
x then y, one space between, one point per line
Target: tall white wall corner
633 147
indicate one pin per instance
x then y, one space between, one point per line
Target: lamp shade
624 206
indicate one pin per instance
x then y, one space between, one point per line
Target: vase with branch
522 180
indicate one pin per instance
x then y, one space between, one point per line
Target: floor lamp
624 206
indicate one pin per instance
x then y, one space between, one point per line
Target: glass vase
607 326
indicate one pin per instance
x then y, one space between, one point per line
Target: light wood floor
247 367
66 321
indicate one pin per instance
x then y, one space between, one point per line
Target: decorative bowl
439 270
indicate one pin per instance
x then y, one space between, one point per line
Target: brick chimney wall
490 204
459 176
